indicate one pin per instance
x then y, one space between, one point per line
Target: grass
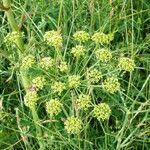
128 127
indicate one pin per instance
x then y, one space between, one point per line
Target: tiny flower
58 87
63 67
78 51
103 55
53 38
126 64
73 125
46 63
27 62
73 81
101 38
94 75
12 38
30 99
84 101
39 82
102 111
53 107
81 36
111 84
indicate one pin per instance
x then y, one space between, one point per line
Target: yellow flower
39 82
81 36
53 38
27 62
30 99
101 38
94 75
53 107
103 55
73 125
63 67
46 63
102 111
73 81
58 87
84 101
111 84
126 64
13 37
78 51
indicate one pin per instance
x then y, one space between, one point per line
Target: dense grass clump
75 75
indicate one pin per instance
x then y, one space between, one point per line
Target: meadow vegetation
75 75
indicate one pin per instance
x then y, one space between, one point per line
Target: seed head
53 38
84 101
101 38
94 75
27 62
102 111
81 36
73 125
46 63
103 55
30 99
126 64
78 51
12 37
39 82
58 87
63 67
73 81
112 85
53 107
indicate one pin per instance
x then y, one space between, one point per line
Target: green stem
38 129
60 11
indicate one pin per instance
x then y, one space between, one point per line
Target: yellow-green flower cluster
12 37
83 101
78 51
94 75
102 111
81 36
30 99
63 67
111 84
73 81
39 82
53 107
46 63
73 125
126 64
101 38
53 38
103 54
27 62
58 87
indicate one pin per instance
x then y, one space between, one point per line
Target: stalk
23 74
38 129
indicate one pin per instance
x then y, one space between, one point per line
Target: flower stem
38 129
